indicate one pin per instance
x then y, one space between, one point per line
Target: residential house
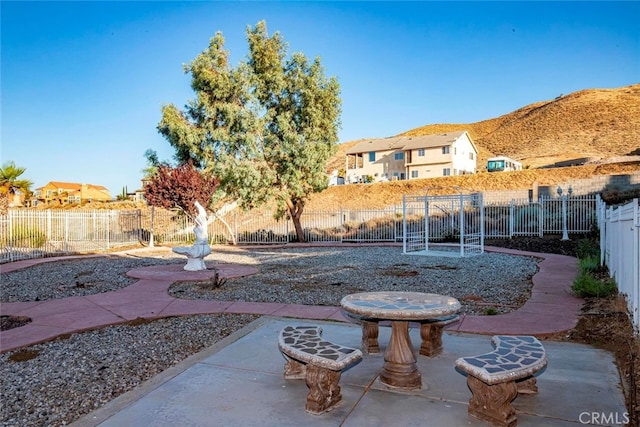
56 192
137 196
411 157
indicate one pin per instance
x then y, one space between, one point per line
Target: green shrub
587 248
490 311
451 234
590 264
585 285
25 237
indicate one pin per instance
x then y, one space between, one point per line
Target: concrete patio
239 381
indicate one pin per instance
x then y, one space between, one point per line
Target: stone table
400 369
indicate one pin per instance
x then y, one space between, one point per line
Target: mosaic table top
400 305
513 358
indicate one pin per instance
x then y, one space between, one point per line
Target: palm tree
10 185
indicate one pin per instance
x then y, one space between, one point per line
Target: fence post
635 275
461 223
286 227
426 223
66 231
404 225
395 222
541 217
600 221
151 243
235 227
10 215
482 229
94 224
565 234
108 237
511 217
48 224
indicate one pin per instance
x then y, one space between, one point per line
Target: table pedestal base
400 369
370 337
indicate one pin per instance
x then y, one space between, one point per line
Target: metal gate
449 225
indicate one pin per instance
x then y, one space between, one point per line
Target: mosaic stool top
400 305
513 358
305 343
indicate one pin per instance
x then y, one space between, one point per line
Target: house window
470 156
414 174
445 150
421 152
446 172
372 156
398 156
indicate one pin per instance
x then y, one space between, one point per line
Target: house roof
435 140
382 144
407 142
73 186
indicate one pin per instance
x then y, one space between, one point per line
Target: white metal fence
29 233
620 251
547 215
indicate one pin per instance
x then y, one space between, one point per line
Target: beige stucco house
56 192
403 157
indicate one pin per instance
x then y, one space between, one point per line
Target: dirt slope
364 196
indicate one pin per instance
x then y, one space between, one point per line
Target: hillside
592 123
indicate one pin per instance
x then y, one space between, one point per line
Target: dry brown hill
383 194
598 123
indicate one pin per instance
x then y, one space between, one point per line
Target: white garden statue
195 253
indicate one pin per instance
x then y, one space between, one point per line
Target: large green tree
266 128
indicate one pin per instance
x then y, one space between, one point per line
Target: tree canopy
10 182
265 128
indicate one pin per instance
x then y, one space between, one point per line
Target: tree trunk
295 210
229 229
4 203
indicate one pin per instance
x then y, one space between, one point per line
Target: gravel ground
322 276
54 383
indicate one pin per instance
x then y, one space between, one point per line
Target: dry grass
363 196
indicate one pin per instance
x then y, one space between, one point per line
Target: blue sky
82 83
